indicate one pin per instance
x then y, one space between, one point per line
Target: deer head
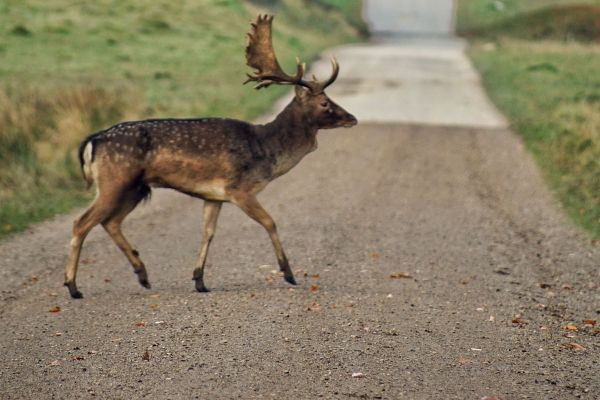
317 108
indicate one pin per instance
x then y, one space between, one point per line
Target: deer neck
289 137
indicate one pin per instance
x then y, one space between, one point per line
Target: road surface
489 273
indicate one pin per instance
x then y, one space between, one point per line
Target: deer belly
211 190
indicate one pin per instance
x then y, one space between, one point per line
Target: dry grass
39 131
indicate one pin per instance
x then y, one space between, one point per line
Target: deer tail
86 158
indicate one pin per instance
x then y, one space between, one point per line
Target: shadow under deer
215 159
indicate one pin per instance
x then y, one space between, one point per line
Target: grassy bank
540 65
67 70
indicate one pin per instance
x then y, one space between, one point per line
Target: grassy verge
540 66
68 69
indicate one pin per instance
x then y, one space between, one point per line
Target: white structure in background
418 17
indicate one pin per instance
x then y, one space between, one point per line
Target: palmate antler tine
260 55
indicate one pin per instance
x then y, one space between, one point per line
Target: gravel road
432 263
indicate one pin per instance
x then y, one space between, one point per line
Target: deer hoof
143 278
290 280
200 287
145 283
75 294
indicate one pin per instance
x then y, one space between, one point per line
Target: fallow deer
217 160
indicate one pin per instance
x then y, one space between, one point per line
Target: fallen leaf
400 275
591 285
475 349
375 255
54 309
146 356
314 275
490 398
575 346
595 331
55 363
77 358
545 285
518 323
465 361
7 227
86 260
314 307
357 375
571 327
154 306
567 286
568 335
314 288
589 322
140 324
57 333
107 280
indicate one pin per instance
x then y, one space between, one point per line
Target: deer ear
301 92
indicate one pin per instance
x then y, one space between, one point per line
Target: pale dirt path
477 234
462 210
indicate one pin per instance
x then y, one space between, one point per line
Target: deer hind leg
211 214
251 206
95 214
112 225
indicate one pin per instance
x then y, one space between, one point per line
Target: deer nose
350 121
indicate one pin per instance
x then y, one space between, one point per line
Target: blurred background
69 68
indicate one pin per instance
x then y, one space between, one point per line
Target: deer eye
324 104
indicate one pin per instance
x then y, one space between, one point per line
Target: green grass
550 90
68 69
476 15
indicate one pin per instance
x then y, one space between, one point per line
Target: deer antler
260 55
319 87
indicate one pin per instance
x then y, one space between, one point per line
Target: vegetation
68 69
479 15
540 66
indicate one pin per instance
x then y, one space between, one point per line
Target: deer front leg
251 206
211 214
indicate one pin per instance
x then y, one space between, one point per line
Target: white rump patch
87 161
